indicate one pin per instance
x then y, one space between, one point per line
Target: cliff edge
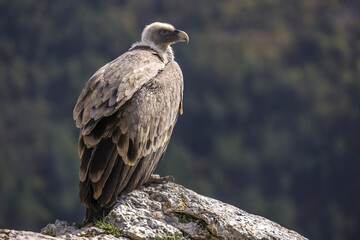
165 211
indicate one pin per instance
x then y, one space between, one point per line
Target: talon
155 178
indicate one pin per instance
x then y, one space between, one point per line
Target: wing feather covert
115 83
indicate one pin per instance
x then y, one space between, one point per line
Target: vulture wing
126 114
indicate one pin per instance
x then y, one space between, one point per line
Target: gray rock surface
168 211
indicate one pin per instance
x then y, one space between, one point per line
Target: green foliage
108 227
271 105
186 218
170 238
83 223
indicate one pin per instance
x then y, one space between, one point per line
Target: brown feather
100 159
85 159
126 113
85 193
113 182
98 186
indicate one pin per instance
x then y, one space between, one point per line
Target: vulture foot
155 178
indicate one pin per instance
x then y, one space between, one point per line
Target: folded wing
126 114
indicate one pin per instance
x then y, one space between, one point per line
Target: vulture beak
182 36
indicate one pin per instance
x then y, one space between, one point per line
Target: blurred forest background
271 118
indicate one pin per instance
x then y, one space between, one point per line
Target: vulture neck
166 54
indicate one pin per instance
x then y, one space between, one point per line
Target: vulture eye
164 32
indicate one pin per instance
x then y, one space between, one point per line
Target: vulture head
163 35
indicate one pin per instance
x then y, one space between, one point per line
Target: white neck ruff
167 55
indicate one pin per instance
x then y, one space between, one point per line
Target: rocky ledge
165 211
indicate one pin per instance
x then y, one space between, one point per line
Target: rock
14 234
168 211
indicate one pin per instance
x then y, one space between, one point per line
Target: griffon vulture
126 114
